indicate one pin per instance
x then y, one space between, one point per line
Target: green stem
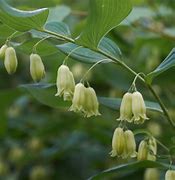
121 63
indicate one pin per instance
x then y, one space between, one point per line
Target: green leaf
58 27
104 15
114 103
88 56
45 94
168 62
45 48
22 20
130 166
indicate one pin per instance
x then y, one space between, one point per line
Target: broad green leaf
88 56
45 94
130 166
168 62
114 103
22 20
58 27
104 15
58 13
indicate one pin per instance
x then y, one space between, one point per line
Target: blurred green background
40 142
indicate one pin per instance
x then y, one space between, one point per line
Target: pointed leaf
22 20
168 62
104 15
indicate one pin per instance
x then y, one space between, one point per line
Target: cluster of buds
123 144
133 108
147 150
170 175
83 98
10 59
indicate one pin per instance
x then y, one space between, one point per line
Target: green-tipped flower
118 143
2 51
170 175
152 145
130 144
37 69
79 98
142 151
126 108
65 83
91 104
10 61
151 174
138 108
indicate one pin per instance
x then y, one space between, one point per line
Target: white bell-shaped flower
142 151
138 108
65 83
152 145
91 103
10 61
152 174
126 108
79 98
2 50
118 143
170 175
130 144
37 69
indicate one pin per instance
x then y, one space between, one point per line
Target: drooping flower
170 175
142 151
10 61
118 143
130 144
126 108
138 108
91 104
37 69
2 50
152 174
79 98
152 145
65 83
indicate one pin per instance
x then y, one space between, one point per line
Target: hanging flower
65 83
142 151
138 108
152 174
152 145
91 104
118 143
79 98
2 50
130 144
170 175
10 61
37 69
126 108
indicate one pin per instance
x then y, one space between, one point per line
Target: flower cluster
133 108
123 144
83 98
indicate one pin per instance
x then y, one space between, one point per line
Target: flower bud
138 108
151 174
10 61
79 98
142 151
65 83
37 69
118 143
2 50
170 175
91 104
130 144
152 145
126 108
